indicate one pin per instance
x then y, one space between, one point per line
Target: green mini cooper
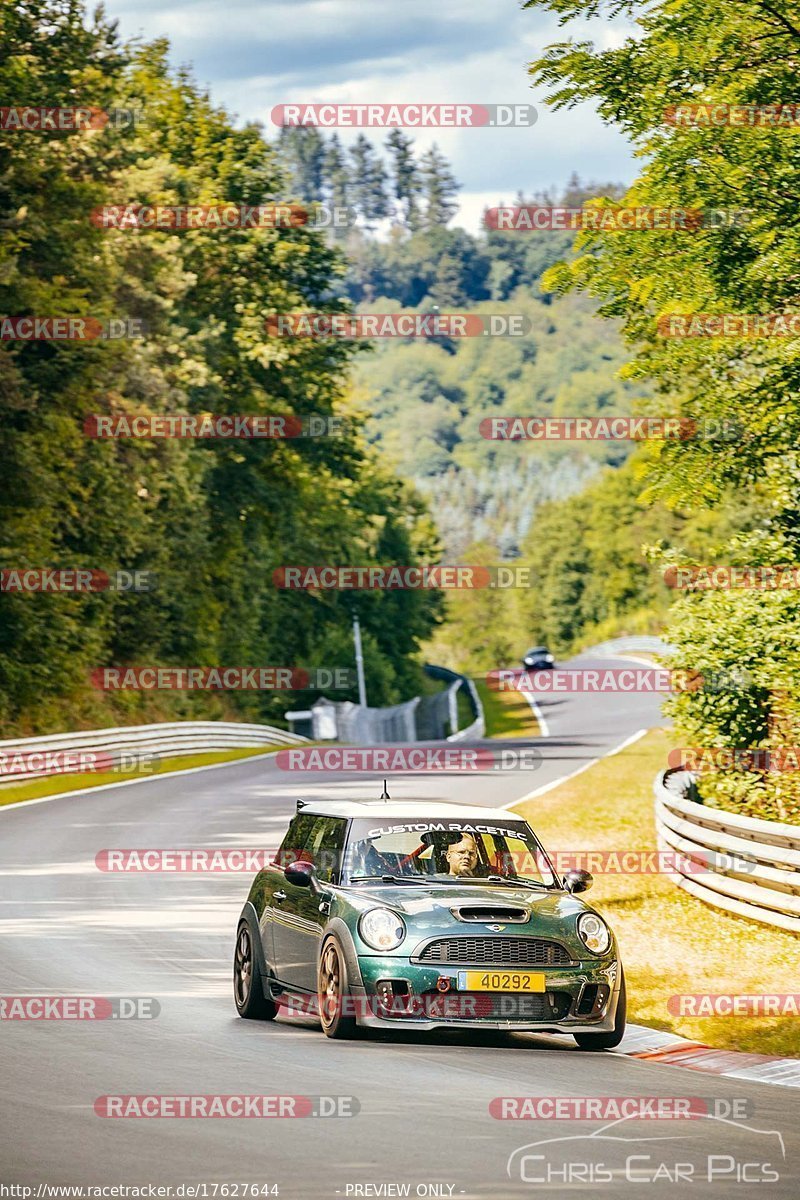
381 914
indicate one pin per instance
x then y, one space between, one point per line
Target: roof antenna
385 795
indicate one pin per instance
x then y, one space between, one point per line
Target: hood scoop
486 914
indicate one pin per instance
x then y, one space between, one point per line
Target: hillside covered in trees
425 400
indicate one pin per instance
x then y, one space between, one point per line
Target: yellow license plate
500 981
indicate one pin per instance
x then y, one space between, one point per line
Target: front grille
494 952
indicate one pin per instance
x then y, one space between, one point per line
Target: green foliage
428 401
742 54
212 519
588 558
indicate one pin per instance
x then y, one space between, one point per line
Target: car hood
428 910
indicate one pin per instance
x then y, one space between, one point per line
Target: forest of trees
211 519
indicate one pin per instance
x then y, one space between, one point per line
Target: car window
436 849
324 847
292 847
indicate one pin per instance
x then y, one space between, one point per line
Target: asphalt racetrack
421 1104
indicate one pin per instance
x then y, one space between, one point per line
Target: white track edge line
103 787
548 787
544 728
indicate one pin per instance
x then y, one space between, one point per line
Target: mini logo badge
496 928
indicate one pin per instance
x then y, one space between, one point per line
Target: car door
301 912
272 885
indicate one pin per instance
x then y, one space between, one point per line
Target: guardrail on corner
744 865
477 727
636 644
28 756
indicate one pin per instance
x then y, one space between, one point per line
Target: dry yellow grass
507 714
51 785
671 943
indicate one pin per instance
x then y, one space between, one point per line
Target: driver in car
462 856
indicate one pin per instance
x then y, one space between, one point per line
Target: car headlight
594 933
381 929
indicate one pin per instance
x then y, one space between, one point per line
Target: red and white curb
652 1045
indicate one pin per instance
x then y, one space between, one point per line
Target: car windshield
445 851
537 650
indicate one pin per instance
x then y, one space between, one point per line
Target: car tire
607 1041
248 991
333 992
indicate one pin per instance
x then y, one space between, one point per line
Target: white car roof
435 810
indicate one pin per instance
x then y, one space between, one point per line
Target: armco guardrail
745 866
643 644
477 727
26 755
424 718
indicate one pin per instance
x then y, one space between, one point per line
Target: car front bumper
577 999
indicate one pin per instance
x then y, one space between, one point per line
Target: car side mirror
578 881
301 874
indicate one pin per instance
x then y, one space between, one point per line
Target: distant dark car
538 659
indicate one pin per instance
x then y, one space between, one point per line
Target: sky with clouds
254 54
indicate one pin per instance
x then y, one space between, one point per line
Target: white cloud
256 55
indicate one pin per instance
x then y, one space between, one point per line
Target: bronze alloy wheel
334 994
248 993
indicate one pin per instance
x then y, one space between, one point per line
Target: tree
302 152
368 176
439 188
405 178
338 185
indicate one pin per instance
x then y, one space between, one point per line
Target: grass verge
507 714
671 943
51 785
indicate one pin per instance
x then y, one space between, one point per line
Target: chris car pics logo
628 1151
